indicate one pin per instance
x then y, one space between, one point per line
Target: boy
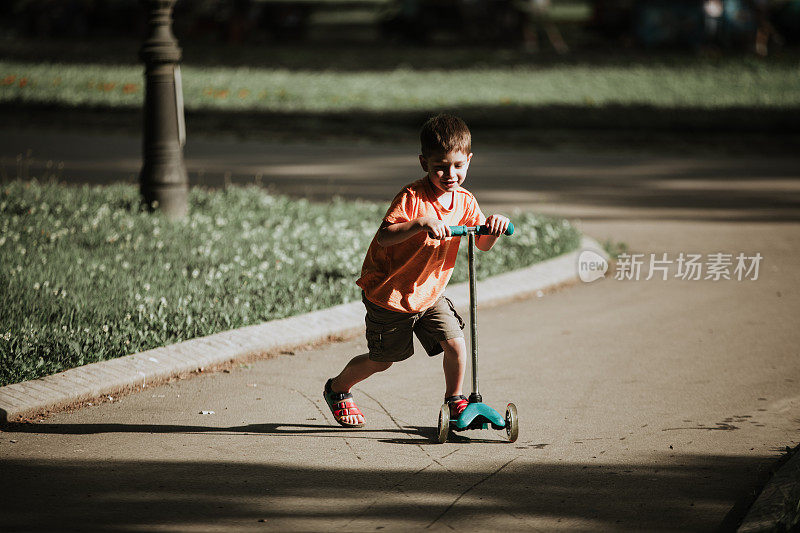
408 265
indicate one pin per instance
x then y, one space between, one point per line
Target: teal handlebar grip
460 231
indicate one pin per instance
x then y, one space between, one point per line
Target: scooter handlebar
460 231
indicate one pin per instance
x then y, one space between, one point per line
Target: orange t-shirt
411 275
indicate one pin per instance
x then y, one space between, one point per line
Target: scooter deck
477 416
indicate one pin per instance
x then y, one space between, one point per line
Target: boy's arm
497 225
402 231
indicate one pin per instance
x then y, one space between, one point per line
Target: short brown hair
443 134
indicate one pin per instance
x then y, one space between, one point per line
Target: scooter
477 415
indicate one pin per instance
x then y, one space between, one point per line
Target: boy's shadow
430 436
424 434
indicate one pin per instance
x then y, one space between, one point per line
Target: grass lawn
706 84
88 276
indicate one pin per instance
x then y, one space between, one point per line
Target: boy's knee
380 366
454 347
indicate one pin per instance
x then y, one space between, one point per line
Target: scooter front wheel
512 423
444 423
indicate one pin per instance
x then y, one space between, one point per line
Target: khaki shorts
389 333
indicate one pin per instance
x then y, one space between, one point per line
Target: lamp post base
164 183
172 201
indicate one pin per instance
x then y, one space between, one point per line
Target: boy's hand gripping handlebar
460 231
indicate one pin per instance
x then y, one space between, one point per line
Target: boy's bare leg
455 365
358 369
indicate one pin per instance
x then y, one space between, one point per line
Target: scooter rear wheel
512 423
444 423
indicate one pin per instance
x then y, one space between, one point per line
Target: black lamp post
163 181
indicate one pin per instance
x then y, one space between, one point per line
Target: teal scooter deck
477 416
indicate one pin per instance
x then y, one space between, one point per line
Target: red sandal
341 405
457 405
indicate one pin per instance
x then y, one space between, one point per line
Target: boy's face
446 171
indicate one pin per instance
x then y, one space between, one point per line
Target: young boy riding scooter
408 265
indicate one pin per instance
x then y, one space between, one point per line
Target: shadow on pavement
731 129
677 492
592 186
271 429
426 435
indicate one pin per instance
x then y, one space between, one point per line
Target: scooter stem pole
473 314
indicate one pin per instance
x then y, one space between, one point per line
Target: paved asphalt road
648 405
592 186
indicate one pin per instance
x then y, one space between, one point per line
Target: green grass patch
736 82
614 248
88 276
